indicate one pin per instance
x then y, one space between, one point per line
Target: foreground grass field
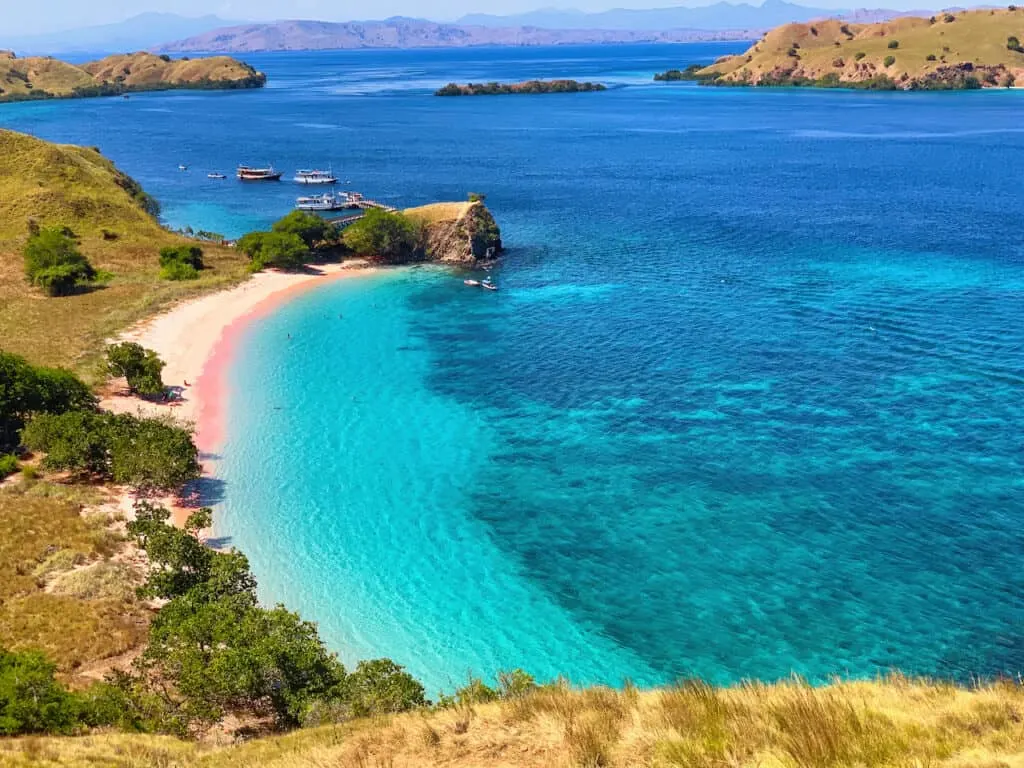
894 722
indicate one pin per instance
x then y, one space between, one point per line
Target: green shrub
948 18
54 263
477 197
8 465
515 684
26 389
178 271
381 687
894 44
309 227
889 61
284 250
31 699
390 237
859 55
930 57
141 367
148 454
1013 44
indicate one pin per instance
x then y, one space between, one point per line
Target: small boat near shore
488 285
328 202
315 177
473 283
248 173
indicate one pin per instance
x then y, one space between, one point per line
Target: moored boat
489 286
248 173
315 177
329 202
471 282
216 176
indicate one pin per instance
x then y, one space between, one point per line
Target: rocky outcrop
462 234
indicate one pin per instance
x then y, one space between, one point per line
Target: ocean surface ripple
748 402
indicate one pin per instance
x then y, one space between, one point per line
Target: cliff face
966 49
462 234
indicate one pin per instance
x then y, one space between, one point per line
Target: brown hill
968 49
43 77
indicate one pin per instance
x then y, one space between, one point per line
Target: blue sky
25 17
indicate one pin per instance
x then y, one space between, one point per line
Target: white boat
216 176
315 177
471 282
182 167
329 202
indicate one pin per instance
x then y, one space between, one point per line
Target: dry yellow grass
894 722
21 77
77 187
856 52
45 537
439 212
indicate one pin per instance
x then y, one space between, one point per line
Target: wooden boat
315 177
247 173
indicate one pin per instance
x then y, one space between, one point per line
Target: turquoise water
747 404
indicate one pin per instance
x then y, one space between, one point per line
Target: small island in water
949 51
43 77
530 86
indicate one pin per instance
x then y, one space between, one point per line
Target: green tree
140 366
390 237
889 61
26 389
309 227
284 250
54 263
149 454
31 699
182 254
1013 44
381 687
894 44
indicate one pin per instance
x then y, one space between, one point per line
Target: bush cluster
181 262
390 237
141 367
54 263
28 389
148 454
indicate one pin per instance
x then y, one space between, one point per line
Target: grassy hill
44 77
965 49
78 188
894 722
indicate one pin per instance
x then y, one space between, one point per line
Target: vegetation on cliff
949 51
528 87
47 78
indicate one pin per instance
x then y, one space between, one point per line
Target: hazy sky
23 17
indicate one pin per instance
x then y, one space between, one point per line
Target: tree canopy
141 367
54 263
390 237
308 226
181 262
284 250
26 389
149 454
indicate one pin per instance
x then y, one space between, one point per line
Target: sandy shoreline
196 339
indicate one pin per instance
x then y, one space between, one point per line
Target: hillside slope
894 722
963 50
76 187
44 77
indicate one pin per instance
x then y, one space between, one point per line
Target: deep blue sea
749 401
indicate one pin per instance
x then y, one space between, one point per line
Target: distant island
25 79
528 87
403 33
949 51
